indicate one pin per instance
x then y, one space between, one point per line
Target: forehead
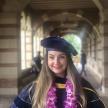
56 53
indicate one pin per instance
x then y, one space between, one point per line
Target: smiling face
57 62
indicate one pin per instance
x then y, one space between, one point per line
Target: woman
59 84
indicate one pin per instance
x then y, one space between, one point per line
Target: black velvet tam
59 44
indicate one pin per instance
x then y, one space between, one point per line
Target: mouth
56 67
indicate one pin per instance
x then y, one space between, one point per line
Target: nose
56 60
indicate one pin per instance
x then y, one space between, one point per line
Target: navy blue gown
24 99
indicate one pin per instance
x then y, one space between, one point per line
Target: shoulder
24 98
27 92
93 99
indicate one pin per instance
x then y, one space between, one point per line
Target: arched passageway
24 23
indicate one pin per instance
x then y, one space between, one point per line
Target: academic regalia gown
24 99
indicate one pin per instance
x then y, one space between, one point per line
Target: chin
58 72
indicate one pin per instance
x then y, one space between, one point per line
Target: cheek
49 63
64 62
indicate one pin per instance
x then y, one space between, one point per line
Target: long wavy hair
46 78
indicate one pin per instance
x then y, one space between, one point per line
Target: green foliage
74 40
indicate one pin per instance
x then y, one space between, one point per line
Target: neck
60 75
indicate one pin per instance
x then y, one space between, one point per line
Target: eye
62 57
51 57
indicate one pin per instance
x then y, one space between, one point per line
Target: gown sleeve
93 99
24 99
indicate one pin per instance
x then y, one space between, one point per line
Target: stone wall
8 53
106 51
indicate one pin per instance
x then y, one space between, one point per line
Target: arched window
26 41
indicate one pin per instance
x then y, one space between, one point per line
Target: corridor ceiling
69 16
61 4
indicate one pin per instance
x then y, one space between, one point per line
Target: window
26 41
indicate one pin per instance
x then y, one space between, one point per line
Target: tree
74 40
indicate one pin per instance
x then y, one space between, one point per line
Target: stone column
9 52
106 51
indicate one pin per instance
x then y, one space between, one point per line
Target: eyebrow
50 54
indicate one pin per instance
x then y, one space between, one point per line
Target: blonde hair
45 80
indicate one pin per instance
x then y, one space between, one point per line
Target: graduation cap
59 44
